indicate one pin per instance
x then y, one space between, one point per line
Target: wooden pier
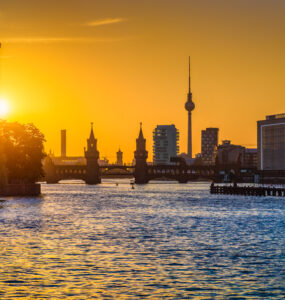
247 190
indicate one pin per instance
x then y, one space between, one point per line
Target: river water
162 240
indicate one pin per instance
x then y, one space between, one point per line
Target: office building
165 143
209 143
271 142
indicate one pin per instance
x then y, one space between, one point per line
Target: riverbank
23 189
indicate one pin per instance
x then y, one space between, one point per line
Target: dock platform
247 190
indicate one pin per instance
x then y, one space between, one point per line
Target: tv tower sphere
189 106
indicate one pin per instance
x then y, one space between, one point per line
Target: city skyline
127 172
131 66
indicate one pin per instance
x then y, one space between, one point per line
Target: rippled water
158 241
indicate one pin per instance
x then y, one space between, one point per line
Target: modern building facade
209 143
189 106
165 143
271 142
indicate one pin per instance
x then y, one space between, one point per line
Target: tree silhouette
21 152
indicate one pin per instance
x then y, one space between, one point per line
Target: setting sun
4 108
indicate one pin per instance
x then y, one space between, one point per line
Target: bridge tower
141 175
92 156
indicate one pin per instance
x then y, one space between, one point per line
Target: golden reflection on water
157 242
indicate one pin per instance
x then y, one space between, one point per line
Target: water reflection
157 241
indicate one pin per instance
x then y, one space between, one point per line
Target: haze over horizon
118 63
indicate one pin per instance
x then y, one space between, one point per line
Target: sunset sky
117 63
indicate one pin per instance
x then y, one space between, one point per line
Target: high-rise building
271 142
209 142
165 143
63 142
119 157
189 106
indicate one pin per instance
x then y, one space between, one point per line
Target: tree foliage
21 151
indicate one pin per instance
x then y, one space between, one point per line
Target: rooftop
278 116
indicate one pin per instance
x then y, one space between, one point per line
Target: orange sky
116 63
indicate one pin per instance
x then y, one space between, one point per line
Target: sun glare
4 108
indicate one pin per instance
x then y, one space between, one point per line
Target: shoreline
21 189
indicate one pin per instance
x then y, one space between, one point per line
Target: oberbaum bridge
90 171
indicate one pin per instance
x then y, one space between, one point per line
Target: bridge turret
50 170
141 174
92 156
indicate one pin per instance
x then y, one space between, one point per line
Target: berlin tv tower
189 106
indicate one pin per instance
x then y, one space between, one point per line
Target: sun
4 108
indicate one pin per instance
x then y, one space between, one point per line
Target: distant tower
119 157
92 156
189 106
141 157
63 143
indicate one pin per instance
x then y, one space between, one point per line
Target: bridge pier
92 173
182 178
141 175
51 181
50 171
